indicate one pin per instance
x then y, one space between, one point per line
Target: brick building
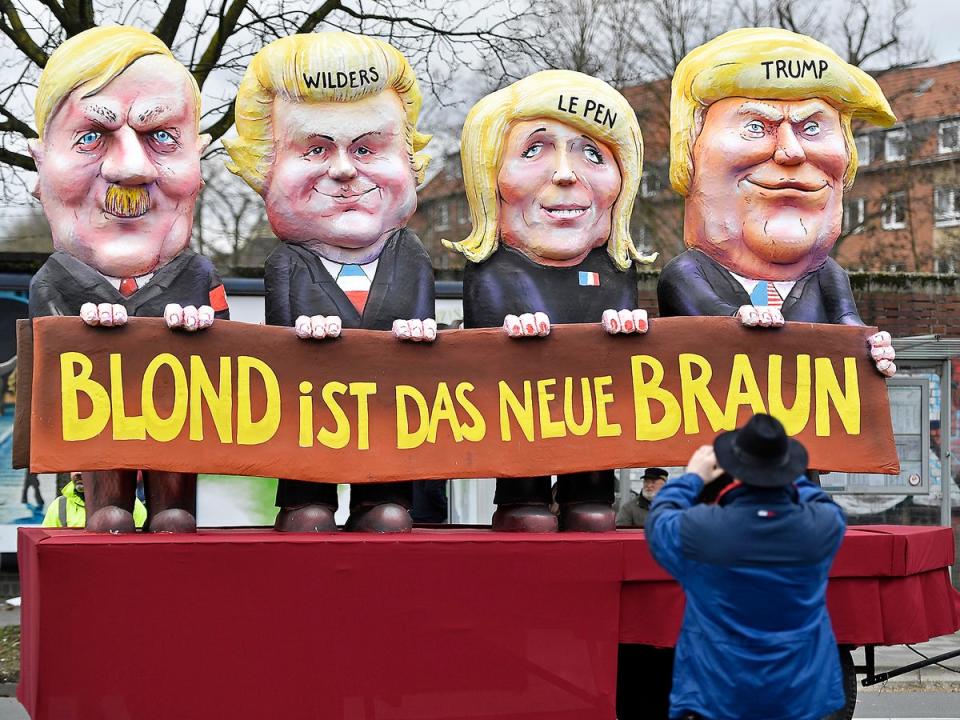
903 212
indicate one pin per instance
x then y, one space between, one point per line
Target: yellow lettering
164 429
794 419
646 390
523 414
549 428
305 436
604 428
124 427
743 390
73 382
361 391
578 429
847 404
405 438
219 401
443 410
250 431
476 431
340 435
696 391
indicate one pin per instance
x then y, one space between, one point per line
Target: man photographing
756 640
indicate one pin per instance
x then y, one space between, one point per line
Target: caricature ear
35 146
205 141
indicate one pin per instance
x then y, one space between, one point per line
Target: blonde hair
96 56
767 63
302 68
539 96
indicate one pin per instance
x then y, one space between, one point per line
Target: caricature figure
551 166
762 148
327 135
118 159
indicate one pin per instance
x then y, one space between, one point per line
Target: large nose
563 173
789 150
126 161
342 168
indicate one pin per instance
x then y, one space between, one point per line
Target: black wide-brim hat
760 453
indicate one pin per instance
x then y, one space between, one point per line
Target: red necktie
128 286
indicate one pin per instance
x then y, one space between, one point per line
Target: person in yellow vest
69 510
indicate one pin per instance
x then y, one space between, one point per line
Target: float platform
441 624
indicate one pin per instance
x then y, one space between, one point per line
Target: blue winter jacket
756 641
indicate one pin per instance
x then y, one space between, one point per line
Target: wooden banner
254 400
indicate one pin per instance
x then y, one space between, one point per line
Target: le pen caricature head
598 111
766 64
318 67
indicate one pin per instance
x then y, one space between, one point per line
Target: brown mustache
126 202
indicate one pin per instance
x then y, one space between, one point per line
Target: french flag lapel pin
589 279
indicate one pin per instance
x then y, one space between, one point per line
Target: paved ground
896 656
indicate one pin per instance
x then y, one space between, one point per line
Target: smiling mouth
346 196
565 212
795 185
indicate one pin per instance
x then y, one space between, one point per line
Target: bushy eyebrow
807 111
768 112
100 114
153 114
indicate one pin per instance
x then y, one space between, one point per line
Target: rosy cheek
517 182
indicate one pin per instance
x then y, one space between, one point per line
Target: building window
443 215
650 183
854 214
463 211
895 144
944 265
863 150
946 206
895 211
948 136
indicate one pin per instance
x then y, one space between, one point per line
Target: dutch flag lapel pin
589 279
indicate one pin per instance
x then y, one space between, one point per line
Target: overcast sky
940 20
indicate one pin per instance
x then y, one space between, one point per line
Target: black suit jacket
693 283
510 283
64 283
297 283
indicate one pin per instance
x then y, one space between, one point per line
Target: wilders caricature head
761 145
327 135
586 136
118 153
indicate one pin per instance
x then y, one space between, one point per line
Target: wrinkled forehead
772 109
296 120
154 90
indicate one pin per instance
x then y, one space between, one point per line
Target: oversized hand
625 321
760 316
318 327
527 325
883 354
415 330
189 318
104 314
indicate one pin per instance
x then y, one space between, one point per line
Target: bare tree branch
225 28
170 21
12 26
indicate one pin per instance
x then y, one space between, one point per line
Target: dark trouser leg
306 506
380 507
108 497
429 501
586 501
171 501
523 505
644 678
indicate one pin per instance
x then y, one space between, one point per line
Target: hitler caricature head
327 135
118 153
762 147
551 166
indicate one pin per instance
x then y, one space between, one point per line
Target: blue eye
88 138
593 155
363 151
315 151
755 127
532 151
811 128
163 137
